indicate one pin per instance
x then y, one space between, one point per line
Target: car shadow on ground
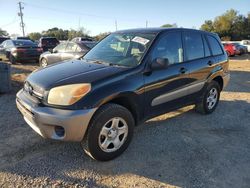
241 81
241 57
185 149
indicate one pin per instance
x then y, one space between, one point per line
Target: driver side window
169 47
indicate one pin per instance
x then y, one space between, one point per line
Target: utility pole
116 25
20 13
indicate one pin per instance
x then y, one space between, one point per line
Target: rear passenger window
215 46
207 51
170 47
193 45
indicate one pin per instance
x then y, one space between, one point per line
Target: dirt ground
181 148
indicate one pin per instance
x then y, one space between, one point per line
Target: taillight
14 50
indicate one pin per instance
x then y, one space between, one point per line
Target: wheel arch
219 80
127 100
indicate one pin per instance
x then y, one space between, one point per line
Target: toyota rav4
127 78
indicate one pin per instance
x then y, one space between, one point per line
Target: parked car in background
127 78
230 49
48 43
3 39
242 49
65 51
246 43
81 39
22 38
19 51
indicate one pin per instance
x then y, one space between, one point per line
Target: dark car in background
19 51
23 38
3 39
66 51
48 43
240 48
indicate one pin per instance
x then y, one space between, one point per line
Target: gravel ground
178 149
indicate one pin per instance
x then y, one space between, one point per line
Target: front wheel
43 62
110 132
210 98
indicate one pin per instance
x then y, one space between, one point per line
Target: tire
98 143
205 107
12 59
44 62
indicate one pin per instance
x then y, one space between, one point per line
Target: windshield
21 43
124 49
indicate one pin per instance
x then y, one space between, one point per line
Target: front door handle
210 63
183 70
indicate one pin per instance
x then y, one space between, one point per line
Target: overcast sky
100 16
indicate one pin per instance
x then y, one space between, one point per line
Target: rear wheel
109 133
43 62
210 99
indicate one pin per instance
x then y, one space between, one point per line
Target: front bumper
46 121
226 79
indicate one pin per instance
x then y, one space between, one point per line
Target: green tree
101 36
229 25
82 32
169 25
3 32
208 26
65 34
35 36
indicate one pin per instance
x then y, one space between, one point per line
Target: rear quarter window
215 45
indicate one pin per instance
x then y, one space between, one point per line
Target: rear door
216 49
199 59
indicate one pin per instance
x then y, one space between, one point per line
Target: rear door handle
210 63
183 70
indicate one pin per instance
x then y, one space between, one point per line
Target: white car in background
246 43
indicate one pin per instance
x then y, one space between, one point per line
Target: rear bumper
33 57
58 124
226 79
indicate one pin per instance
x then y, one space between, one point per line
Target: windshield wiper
97 61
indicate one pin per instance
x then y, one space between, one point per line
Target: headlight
68 94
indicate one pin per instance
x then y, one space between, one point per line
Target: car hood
69 72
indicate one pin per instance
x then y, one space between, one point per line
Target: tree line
229 26
62 34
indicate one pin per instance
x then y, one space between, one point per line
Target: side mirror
160 63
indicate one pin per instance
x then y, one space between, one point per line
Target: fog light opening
59 131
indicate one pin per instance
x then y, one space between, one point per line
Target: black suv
127 78
48 43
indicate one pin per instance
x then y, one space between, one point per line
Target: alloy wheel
113 134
